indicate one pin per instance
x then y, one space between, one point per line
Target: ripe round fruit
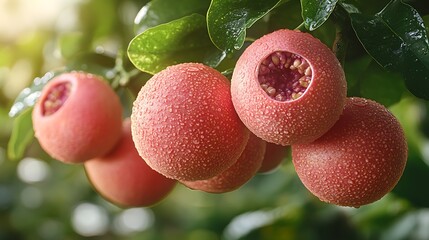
124 178
359 160
238 174
184 124
273 157
78 117
288 88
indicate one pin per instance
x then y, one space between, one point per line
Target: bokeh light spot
31 170
133 220
90 220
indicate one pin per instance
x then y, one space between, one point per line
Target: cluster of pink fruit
190 125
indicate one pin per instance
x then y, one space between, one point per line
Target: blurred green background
41 198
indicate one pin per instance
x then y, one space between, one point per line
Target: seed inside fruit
284 76
55 98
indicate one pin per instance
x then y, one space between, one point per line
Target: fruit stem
228 72
123 76
249 39
301 27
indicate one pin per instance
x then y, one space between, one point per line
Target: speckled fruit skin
124 178
359 160
299 121
273 157
87 125
238 174
184 124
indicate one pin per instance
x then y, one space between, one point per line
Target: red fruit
238 174
359 160
288 88
124 178
273 157
78 117
184 123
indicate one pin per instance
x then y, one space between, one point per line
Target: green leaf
366 6
316 12
22 135
396 38
28 97
227 20
179 41
157 12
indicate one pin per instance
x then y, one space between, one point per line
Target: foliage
383 46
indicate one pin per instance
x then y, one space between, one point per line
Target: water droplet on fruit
360 102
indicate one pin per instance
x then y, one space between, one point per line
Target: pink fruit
124 178
77 117
288 88
273 157
359 160
184 124
238 174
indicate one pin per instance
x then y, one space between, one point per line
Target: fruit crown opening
55 98
284 76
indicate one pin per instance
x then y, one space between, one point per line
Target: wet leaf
179 41
316 12
29 96
157 12
227 20
396 38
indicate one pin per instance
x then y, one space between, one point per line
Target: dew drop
360 102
